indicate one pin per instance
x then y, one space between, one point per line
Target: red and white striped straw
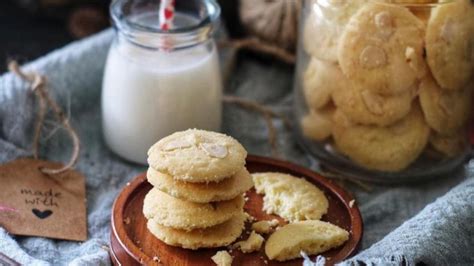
166 14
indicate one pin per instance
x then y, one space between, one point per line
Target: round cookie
388 149
197 156
323 26
320 80
216 236
369 108
381 49
450 146
317 124
450 44
290 197
445 111
227 189
179 214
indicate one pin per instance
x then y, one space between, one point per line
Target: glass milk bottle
157 82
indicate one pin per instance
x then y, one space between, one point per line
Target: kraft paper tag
35 204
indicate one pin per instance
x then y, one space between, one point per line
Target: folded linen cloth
438 234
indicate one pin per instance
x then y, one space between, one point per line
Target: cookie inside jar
383 88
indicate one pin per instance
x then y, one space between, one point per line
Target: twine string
38 86
257 45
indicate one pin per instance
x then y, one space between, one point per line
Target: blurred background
31 28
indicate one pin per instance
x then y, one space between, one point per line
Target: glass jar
383 89
156 81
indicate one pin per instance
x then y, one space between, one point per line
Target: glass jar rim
181 36
412 3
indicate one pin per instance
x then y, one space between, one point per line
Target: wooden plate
132 244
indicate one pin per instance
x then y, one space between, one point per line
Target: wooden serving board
132 244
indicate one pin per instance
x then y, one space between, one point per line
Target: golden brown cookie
390 149
217 236
311 237
450 44
323 26
172 212
290 197
381 49
320 80
317 125
370 108
226 189
197 156
445 111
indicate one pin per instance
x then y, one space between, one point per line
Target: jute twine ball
274 21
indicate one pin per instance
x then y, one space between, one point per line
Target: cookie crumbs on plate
250 218
351 203
253 243
222 258
265 226
156 258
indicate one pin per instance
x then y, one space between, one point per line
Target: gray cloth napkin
440 233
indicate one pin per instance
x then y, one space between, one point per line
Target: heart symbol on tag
42 214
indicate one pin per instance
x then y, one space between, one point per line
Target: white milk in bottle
158 83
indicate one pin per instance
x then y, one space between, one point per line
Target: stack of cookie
199 178
386 81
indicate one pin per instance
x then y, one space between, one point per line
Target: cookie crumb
250 218
127 220
351 203
252 244
222 258
156 259
264 227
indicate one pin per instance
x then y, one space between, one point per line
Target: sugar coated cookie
311 237
450 146
450 44
197 156
319 81
317 125
445 111
391 148
216 236
226 189
381 49
172 212
324 24
367 107
290 197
